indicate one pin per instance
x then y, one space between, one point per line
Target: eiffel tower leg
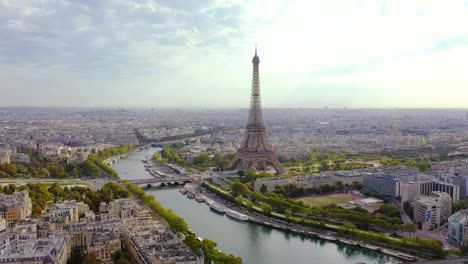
277 166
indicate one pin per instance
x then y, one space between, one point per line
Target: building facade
15 207
432 211
458 227
5 157
382 183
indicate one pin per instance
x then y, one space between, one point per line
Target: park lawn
327 199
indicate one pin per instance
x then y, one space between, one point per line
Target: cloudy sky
197 53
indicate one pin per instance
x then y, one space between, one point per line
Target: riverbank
329 233
179 226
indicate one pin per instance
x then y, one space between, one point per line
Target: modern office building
383 183
409 186
432 211
349 177
458 227
426 187
460 180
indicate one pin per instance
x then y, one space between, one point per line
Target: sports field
338 198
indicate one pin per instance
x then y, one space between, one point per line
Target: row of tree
43 194
175 222
324 161
208 247
291 189
178 224
428 246
113 151
169 155
220 162
41 167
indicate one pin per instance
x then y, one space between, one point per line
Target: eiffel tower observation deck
255 151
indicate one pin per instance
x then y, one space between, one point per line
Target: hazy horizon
171 54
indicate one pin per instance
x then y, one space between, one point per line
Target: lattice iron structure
255 152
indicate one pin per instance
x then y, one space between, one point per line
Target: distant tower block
255 151
396 129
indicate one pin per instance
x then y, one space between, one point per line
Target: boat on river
217 208
237 216
183 191
199 198
190 195
348 242
399 255
329 238
371 247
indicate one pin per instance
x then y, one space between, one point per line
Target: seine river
255 244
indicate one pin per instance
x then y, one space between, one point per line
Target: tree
90 258
349 226
240 200
263 189
266 208
390 210
43 172
408 227
240 188
287 213
9 168
249 205
346 228
324 166
464 249
408 209
75 258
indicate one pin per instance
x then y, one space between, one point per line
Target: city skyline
170 54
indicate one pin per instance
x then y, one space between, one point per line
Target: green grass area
325 200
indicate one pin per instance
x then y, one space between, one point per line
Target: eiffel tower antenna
255 151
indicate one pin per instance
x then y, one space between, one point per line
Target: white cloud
197 53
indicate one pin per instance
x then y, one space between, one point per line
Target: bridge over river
162 181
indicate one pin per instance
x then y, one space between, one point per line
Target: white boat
237 216
199 198
327 237
371 247
349 242
217 208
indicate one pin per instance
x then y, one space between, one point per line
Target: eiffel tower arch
255 151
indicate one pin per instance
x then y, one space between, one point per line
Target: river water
255 244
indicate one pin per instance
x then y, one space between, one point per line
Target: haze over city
355 54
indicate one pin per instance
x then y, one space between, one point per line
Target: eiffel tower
255 151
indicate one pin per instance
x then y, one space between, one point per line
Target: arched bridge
162 181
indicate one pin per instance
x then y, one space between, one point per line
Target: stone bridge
161 181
